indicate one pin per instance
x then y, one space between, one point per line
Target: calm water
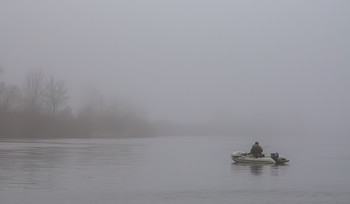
170 170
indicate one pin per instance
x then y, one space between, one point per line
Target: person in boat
256 150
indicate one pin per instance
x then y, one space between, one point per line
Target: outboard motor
275 156
279 159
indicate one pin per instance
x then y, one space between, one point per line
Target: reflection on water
257 169
254 169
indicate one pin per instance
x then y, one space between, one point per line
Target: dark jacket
256 149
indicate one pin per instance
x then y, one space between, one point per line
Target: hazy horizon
191 61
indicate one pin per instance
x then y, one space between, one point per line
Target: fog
244 66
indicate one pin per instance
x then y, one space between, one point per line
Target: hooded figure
256 150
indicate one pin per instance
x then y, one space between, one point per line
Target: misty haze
144 101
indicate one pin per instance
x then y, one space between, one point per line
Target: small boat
272 158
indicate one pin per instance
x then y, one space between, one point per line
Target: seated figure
256 150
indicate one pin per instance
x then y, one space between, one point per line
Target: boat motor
275 156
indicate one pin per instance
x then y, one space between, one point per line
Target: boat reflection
255 169
258 169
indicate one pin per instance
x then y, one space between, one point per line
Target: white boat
244 157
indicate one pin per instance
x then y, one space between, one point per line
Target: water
170 170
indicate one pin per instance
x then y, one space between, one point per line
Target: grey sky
190 60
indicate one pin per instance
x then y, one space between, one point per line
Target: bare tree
34 88
55 95
7 95
2 93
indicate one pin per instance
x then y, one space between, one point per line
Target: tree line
39 109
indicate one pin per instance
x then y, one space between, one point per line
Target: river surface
196 170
